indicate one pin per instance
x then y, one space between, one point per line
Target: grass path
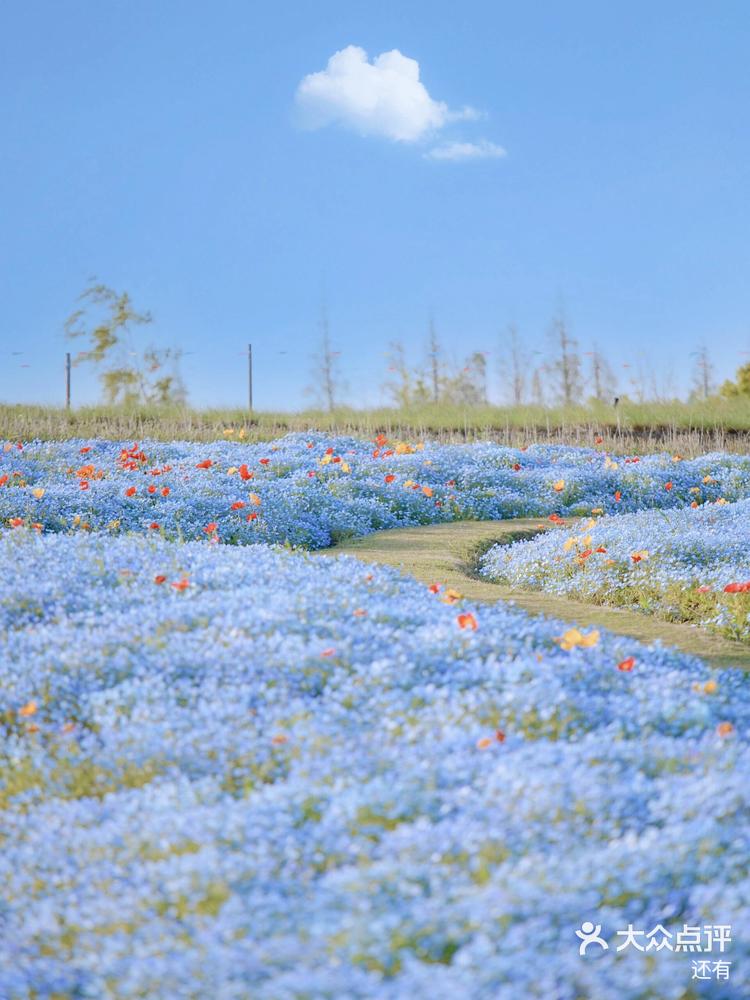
448 554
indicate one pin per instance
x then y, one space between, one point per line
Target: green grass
687 428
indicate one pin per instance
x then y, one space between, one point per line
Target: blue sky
159 146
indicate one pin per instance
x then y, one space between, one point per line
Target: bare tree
703 374
514 363
433 358
567 364
537 385
602 378
327 379
399 385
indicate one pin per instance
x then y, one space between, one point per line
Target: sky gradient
160 147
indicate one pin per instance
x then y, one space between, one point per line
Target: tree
741 387
106 319
399 386
601 376
566 367
433 358
326 376
468 387
703 374
514 365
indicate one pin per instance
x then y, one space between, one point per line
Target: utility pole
67 381
250 377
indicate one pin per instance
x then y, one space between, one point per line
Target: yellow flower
243 432
28 709
345 467
609 464
402 448
558 486
451 596
569 543
695 489
228 431
710 687
232 470
325 460
38 492
573 637
597 510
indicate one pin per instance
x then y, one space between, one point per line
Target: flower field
691 564
235 770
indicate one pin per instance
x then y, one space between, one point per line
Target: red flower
737 588
389 478
434 588
130 491
84 451
626 665
238 505
154 526
245 472
165 491
251 517
516 467
182 584
667 486
152 489
467 620
159 578
618 496
264 461
211 528
205 464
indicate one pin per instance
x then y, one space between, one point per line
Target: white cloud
384 97
458 151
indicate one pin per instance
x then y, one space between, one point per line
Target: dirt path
448 554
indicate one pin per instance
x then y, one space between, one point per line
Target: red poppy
165 491
160 578
434 588
3 480
600 549
251 517
152 489
516 467
667 486
238 505
626 665
264 461
618 496
154 526
130 491
389 478
467 620
205 464
211 528
85 450
245 472
182 584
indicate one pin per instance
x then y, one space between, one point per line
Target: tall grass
687 428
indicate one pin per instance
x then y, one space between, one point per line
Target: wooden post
67 381
250 377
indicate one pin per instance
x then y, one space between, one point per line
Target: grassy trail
448 554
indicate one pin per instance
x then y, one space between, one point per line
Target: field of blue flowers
690 564
242 771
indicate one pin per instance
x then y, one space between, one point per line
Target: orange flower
86 450
618 496
237 505
328 652
725 728
451 596
205 464
600 549
434 588
427 491
182 584
154 526
668 486
484 743
15 522
28 709
3 480
130 491
598 439
255 500
389 478
555 518
558 486
279 738
152 489
626 665
359 612
264 461
245 472
211 527
160 578
694 504
165 491
467 620
251 517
